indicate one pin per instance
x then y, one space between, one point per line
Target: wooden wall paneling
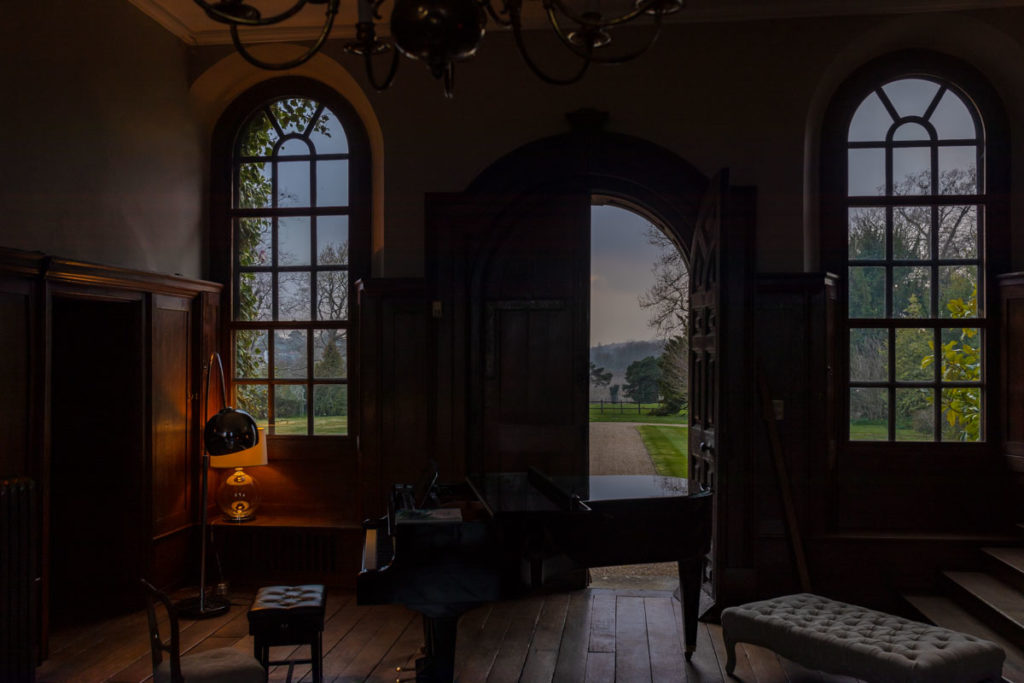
792 332
17 374
1011 291
397 384
172 446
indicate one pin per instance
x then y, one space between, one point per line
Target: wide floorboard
598 635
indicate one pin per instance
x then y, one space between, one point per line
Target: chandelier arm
495 14
262 21
332 10
521 45
586 53
629 56
372 77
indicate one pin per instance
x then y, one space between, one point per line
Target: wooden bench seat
846 639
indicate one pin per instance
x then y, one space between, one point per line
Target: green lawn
336 425
667 447
879 431
631 412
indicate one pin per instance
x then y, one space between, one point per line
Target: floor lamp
229 431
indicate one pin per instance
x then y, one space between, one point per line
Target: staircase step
990 599
947 614
1007 564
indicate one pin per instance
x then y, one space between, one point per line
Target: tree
642 380
598 376
668 299
961 362
674 366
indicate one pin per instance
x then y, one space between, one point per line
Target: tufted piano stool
289 615
846 639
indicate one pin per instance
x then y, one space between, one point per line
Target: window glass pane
330 409
293 241
958 232
911 171
911 232
911 292
867 232
259 137
332 183
294 298
327 136
952 120
958 170
329 354
251 354
254 296
290 354
958 286
867 292
870 122
254 242
869 354
293 114
332 240
290 409
911 96
294 147
332 295
911 131
866 172
915 416
252 398
254 188
292 183
914 355
869 414
961 354
961 414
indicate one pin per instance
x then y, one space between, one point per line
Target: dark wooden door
530 310
704 317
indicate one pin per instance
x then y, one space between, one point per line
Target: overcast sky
621 262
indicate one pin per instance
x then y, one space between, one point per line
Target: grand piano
444 549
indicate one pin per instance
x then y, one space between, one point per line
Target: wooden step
1006 564
947 614
991 600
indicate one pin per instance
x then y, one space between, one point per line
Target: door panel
532 308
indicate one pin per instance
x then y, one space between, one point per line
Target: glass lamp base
239 496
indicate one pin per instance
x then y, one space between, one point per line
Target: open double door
511 277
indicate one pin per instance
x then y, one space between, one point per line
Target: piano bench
288 615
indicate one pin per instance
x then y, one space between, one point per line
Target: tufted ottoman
845 639
288 615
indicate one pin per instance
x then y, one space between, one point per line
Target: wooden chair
221 665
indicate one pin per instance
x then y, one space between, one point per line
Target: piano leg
689 594
438 664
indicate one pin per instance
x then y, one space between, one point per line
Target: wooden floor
628 636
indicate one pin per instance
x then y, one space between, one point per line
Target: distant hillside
615 358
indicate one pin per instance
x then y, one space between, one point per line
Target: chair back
156 644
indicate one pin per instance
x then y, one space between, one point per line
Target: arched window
294 228
914 209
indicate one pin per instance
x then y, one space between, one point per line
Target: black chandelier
441 32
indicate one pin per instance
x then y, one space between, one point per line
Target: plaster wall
100 149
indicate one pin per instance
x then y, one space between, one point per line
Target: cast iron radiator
18 579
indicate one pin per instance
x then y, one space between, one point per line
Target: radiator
19 550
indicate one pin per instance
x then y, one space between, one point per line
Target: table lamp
239 495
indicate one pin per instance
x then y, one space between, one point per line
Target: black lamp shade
230 431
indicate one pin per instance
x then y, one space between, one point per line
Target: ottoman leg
317 655
730 654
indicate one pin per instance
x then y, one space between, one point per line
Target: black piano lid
512 492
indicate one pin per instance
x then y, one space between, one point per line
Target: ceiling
187 20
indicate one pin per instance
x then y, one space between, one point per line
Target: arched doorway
508 262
